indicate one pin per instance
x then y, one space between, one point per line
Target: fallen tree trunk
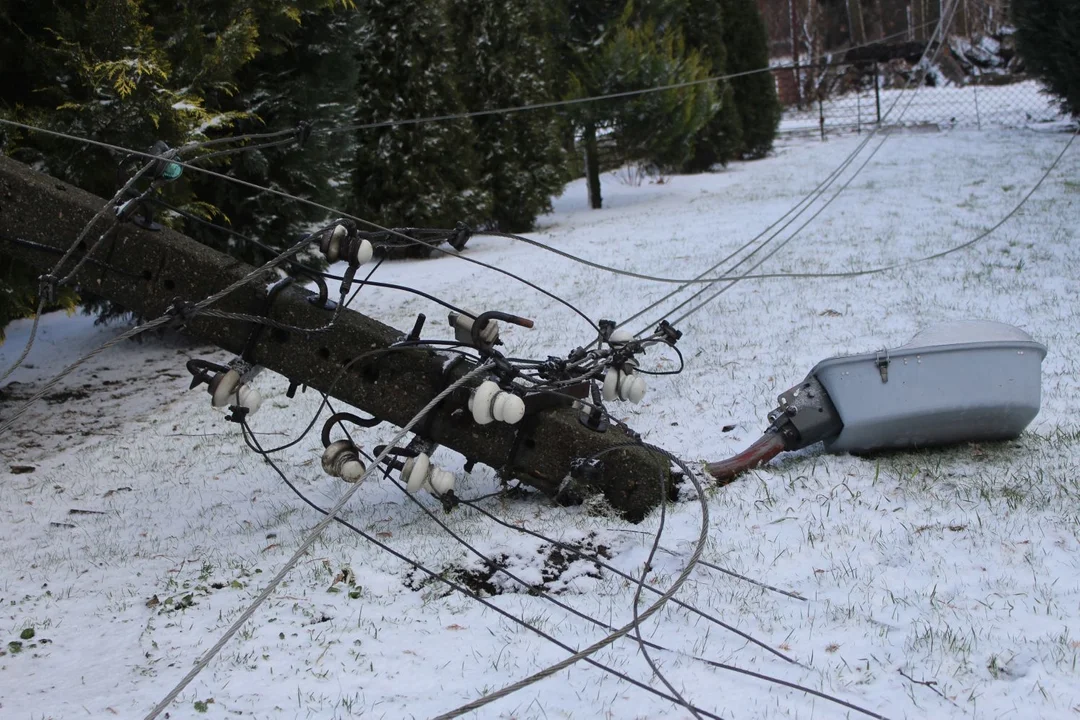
147 271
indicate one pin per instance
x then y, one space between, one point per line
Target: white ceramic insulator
415 472
333 250
332 454
611 385
620 337
363 253
508 408
488 402
226 388
247 397
481 400
489 334
352 471
631 387
441 481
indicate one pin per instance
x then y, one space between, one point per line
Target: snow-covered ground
936 584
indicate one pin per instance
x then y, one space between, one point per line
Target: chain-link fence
857 96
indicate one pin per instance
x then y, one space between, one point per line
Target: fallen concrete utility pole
147 271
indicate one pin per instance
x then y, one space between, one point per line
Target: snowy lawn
937 584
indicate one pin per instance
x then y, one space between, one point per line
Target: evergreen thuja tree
579 29
1048 40
754 94
101 71
702 23
419 174
657 128
629 52
309 79
506 60
132 72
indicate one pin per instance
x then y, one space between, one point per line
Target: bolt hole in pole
370 373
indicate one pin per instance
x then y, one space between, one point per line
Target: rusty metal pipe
762 451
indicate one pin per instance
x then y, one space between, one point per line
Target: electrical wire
236 138
308 541
312 272
942 23
641 584
534 589
404 345
626 576
50 277
769 255
500 568
636 625
604 642
909 263
139 329
539 591
693 560
485 112
295 131
246 148
440 577
22 242
311 203
935 256
252 443
643 619
228 289
702 278
595 98
573 551
367 281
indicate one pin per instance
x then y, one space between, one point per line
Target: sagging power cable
310 203
598 98
190 309
305 545
449 582
936 41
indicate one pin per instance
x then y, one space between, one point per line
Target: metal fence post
978 118
821 113
798 84
877 94
858 112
